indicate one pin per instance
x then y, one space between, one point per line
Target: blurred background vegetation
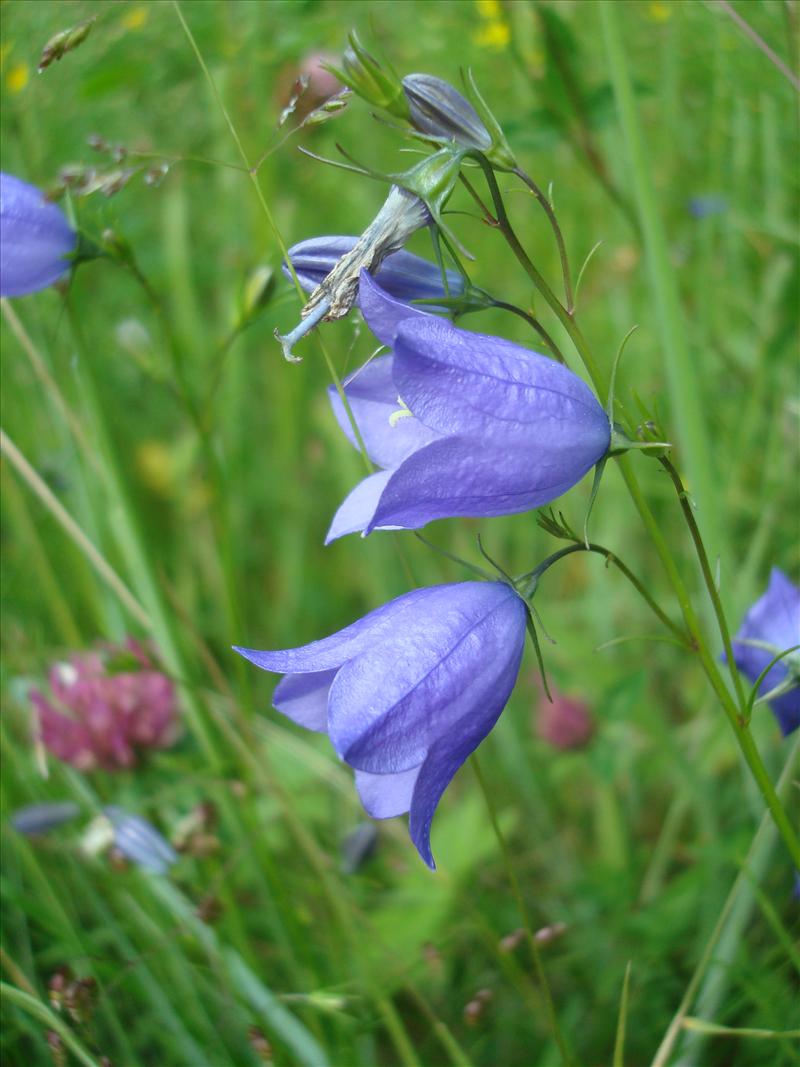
206 470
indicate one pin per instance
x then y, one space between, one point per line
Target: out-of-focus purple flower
407 693
460 423
402 275
359 847
772 624
35 239
437 109
105 706
39 818
700 207
563 722
139 841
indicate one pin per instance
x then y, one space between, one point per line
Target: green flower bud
63 42
375 84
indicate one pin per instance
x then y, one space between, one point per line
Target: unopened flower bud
476 1008
439 110
154 176
258 291
545 934
512 940
39 818
56 986
373 82
63 42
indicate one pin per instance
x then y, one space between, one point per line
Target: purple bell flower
774 621
35 239
402 275
407 693
461 424
139 841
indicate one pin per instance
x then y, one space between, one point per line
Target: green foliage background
634 842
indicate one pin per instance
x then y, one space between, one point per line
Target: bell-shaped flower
771 626
462 424
35 239
407 693
402 275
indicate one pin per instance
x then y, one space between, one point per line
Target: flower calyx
621 442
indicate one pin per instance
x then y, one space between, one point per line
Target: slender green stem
547 207
536 954
610 557
537 326
503 223
708 577
454 558
33 1006
743 737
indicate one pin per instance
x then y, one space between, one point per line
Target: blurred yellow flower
659 11
135 18
18 77
154 466
495 34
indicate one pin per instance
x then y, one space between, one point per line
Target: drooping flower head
402 214
460 423
407 693
35 239
771 626
402 275
105 707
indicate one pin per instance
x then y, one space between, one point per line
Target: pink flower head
105 706
565 722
